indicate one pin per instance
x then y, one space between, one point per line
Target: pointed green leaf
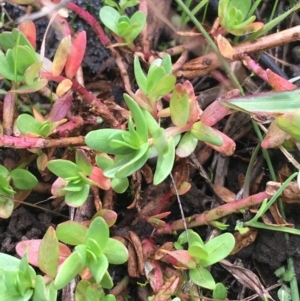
48 255
160 141
138 117
139 75
98 266
83 162
186 145
164 163
71 267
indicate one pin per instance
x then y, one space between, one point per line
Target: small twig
206 63
29 142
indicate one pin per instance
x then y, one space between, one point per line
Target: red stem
206 217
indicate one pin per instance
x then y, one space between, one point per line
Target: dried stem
206 63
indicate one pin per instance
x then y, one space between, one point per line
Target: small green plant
145 138
18 281
234 17
94 251
199 256
124 27
74 179
121 5
18 178
20 63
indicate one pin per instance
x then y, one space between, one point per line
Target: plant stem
214 214
28 142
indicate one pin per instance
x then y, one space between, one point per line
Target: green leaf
98 231
98 266
63 168
35 86
32 73
202 277
151 122
99 140
6 40
83 162
290 123
71 267
7 70
186 145
71 233
166 63
160 141
179 106
139 75
6 207
119 185
28 124
205 133
197 250
3 172
106 281
115 252
23 58
220 292
139 159
163 87
164 163
23 179
44 292
77 198
137 114
218 248
103 161
20 38
138 19
48 255
110 17
155 75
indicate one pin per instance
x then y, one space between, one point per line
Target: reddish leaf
279 83
32 249
228 146
108 215
60 108
179 258
214 113
274 137
29 30
98 177
75 57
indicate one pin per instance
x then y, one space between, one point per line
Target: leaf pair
234 17
159 82
76 185
205 254
95 249
123 26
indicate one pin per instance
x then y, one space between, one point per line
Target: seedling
145 138
18 178
234 17
121 5
75 179
94 249
201 255
124 27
